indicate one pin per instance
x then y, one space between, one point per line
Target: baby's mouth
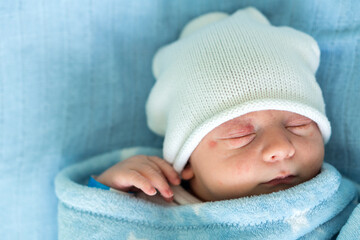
288 179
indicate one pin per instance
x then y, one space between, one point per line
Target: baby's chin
263 189
260 189
276 186
258 192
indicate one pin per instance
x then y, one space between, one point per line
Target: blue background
75 75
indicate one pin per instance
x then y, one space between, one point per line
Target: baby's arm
146 173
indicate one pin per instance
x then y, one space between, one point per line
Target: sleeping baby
244 128
240 109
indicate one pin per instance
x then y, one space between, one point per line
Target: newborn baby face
259 152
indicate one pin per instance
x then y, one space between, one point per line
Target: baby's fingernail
169 193
153 192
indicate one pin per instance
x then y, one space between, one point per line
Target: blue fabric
316 209
351 230
75 75
95 184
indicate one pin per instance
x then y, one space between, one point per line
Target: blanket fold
351 229
316 209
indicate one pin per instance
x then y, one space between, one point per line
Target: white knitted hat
225 66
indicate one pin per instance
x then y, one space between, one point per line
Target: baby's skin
146 173
256 153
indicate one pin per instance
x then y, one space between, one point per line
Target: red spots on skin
212 144
235 128
241 131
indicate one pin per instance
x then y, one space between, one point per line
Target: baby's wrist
93 182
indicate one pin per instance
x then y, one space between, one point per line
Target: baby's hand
147 173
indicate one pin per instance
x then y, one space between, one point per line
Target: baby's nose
277 147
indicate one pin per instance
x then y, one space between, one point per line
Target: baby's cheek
313 148
212 144
312 155
242 168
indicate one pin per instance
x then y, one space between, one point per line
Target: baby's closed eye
239 141
301 127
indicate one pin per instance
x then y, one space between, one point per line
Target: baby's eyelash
240 141
240 136
300 129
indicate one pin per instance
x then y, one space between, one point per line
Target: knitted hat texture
225 66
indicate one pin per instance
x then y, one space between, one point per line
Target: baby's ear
187 173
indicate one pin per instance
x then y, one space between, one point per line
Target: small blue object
93 183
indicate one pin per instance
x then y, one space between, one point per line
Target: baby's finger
139 181
158 180
167 170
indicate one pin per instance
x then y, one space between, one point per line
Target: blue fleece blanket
316 209
351 229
